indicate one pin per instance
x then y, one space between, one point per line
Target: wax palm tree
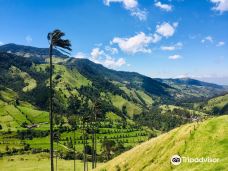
56 42
96 113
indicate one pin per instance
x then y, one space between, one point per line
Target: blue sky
167 38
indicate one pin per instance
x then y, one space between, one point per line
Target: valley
134 113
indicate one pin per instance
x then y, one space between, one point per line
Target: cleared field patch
35 116
37 162
11 117
119 102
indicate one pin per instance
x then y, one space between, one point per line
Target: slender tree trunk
84 156
94 143
56 164
93 146
86 163
93 154
51 110
74 152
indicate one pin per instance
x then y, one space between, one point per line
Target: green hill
196 140
217 105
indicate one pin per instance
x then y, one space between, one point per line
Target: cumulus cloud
96 52
220 5
113 63
221 43
28 39
130 5
140 14
174 57
165 7
176 46
207 39
111 50
80 55
166 29
137 43
103 57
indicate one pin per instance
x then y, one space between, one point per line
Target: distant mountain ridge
29 51
134 88
191 82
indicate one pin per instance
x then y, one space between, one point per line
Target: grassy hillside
204 139
217 105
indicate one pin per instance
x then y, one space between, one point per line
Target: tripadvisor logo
176 160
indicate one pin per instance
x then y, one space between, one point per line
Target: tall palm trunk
51 110
93 148
56 161
74 152
84 151
94 142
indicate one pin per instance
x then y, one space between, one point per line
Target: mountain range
130 86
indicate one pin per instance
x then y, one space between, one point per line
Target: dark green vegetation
130 107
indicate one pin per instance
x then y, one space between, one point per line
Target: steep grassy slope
205 139
217 105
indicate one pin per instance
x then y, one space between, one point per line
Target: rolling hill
217 105
196 140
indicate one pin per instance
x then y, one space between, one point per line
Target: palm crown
55 39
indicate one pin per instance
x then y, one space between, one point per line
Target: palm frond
55 38
65 44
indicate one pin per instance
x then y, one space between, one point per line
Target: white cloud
96 52
128 4
113 63
111 50
1 43
100 56
207 39
140 14
28 39
165 7
168 48
221 43
174 57
137 43
166 29
178 45
80 55
155 38
220 5
132 6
